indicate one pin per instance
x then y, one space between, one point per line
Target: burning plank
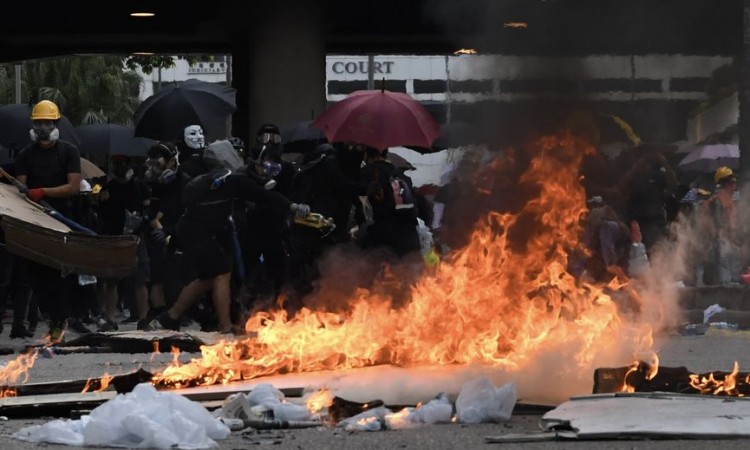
644 377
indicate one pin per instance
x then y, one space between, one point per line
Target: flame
503 299
15 369
102 382
318 400
515 25
465 51
711 385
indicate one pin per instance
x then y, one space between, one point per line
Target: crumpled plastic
438 410
711 311
263 402
480 401
143 418
370 420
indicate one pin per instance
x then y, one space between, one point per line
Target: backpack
401 192
222 154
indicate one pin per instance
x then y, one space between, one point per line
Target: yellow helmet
722 172
45 110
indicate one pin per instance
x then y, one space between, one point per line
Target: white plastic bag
480 401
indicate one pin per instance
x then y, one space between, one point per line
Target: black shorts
142 274
209 254
157 260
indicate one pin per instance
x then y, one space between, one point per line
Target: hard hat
45 110
722 172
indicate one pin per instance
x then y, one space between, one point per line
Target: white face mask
194 137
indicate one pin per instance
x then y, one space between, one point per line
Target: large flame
499 301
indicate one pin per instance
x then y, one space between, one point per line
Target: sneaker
107 325
20 331
144 325
56 331
78 326
164 322
130 319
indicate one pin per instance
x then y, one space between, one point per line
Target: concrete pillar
279 70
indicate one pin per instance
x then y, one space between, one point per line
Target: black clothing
191 160
391 227
49 167
167 199
129 196
203 230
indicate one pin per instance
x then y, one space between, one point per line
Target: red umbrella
379 119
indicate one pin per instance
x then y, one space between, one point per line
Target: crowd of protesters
649 208
217 236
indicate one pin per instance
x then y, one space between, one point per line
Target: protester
204 232
724 227
190 151
394 214
51 169
166 181
121 212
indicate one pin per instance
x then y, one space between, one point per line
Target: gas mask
157 172
271 169
194 137
269 138
122 173
44 131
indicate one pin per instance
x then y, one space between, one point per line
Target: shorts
142 273
209 254
157 260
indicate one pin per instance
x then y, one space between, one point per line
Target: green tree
88 89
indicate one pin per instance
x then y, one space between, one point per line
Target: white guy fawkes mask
194 137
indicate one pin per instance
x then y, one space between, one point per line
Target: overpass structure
279 47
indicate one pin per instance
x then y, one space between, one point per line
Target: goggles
269 138
354 147
155 163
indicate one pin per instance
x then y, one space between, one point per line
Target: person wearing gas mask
264 234
205 234
51 169
121 212
190 151
166 180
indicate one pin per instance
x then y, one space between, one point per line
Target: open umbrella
90 170
708 158
379 119
400 162
164 115
15 123
302 134
112 139
454 134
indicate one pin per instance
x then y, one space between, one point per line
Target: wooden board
14 204
34 235
652 415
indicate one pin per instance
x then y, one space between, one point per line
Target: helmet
722 172
45 110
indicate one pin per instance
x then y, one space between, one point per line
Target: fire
711 385
319 400
465 51
102 382
500 301
515 25
15 369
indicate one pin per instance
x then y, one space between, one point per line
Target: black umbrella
301 133
165 114
15 123
112 139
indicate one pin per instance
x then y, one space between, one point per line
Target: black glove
158 235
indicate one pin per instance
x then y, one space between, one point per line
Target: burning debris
504 300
